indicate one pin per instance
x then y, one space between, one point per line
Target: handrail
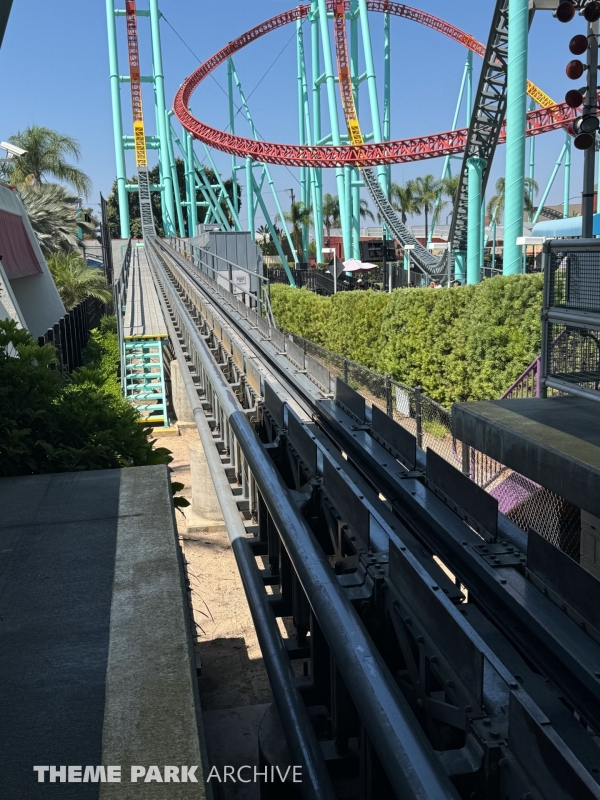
120 301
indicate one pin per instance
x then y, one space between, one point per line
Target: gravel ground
234 688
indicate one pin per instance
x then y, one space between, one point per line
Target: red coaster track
400 151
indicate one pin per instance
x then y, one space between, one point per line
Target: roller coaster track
487 119
493 693
540 121
139 133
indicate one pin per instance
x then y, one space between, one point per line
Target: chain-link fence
524 502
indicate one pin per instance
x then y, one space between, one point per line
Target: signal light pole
590 112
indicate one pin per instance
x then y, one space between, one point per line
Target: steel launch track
535 626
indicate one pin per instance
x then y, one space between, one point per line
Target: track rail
487 120
503 684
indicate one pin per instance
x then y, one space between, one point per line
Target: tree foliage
134 202
52 423
495 207
53 213
464 343
75 280
46 156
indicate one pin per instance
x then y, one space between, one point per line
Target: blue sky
54 68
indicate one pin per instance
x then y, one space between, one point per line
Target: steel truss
417 684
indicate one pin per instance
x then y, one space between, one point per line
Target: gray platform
554 441
143 315
95 641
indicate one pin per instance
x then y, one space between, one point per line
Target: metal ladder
144 379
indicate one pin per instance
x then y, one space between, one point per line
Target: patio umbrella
354 265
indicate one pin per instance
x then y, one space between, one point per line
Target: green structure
518 30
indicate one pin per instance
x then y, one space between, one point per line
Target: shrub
51 423
465 343
102 354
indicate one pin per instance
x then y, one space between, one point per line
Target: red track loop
396 152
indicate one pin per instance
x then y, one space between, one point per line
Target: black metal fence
107 260
71 333
322 282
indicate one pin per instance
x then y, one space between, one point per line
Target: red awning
16 251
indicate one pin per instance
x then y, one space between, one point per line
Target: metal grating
574 355
574 280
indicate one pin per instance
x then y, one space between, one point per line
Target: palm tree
426 191
75 280
449 186
365 211
331 214
52 212
403 200
297 216
495 207
46 155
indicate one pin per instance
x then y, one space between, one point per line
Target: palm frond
75 280
52 212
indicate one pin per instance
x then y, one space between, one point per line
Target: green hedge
466 343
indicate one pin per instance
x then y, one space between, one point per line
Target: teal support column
302 133
334 121
312 183
265 166
173 165
351 212
475 166
316 110
232 130
249 196
516 121
215 211
483 234
372 85
272 231
190 185
446 169
352 175
115 95
567 189
469 69
557 166
532 148
232 206
159 88
193 208
387 87
406 260
460 272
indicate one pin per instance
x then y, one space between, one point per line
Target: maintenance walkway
144 334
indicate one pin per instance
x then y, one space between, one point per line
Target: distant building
27 292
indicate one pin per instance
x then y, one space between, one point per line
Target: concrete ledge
96 655
553 441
